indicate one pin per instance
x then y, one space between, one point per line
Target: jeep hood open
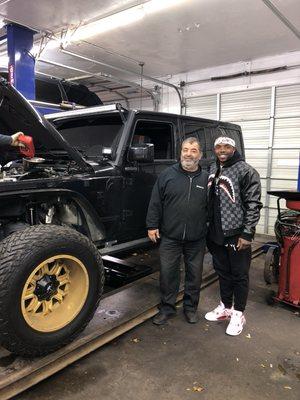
17 114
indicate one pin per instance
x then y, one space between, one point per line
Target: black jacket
236 192
178 205
5 140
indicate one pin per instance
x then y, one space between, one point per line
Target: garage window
160 134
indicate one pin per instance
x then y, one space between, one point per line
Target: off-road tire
271 267
20 253
271 298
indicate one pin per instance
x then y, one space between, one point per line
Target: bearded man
177 215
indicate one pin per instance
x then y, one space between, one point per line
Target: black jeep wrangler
87 188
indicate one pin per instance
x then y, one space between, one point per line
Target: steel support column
21 63
298 183
270 158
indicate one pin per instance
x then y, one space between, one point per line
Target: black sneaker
161 318
191 317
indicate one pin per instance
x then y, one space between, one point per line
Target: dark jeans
232 266
170 255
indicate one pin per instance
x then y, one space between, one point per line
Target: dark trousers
232 266
170 255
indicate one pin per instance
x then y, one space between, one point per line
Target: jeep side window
160 134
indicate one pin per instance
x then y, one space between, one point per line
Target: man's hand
153 235
242 244
15 139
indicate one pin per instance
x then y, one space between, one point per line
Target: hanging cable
141 64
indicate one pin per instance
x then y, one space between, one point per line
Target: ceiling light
35 50
2 23
109 23
17 56
118 20
159 5
4 61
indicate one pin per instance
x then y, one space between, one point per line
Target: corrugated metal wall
270 121
205 107
145 104
136 104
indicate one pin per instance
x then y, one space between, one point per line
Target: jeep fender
95 226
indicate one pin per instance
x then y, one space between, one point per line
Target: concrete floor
177 361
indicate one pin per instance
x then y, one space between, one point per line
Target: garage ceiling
187 35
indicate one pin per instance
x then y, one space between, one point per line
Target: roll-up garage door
145 104
204 107
251 110
270 121
286 144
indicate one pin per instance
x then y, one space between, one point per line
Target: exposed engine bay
36 168
19 212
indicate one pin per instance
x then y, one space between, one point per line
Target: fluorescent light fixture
118 20
4 61
53 44
34 50
2 23
109 23
159 5
17 56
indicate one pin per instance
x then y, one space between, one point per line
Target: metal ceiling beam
107 89
112 78
128 72
97 74
282 18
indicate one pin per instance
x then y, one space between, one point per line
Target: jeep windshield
94 136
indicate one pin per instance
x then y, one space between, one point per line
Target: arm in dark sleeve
251 194
5 140
154 213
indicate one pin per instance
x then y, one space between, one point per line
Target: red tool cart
283 259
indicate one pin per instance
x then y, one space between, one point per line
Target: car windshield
90 134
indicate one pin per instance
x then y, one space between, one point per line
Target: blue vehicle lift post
21 63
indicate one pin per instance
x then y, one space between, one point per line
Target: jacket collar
233 160
179 168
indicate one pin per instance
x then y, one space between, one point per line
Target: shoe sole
217 320
191 322
160 323
236 334
163 322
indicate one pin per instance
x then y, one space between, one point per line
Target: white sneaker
236 323
220 313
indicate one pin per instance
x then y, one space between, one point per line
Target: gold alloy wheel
54 293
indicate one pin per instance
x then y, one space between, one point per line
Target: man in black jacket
178 213
234 199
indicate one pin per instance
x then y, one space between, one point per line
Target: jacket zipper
188 200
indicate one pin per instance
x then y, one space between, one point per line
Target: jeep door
140 177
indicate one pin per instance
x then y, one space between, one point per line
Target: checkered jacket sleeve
251 194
